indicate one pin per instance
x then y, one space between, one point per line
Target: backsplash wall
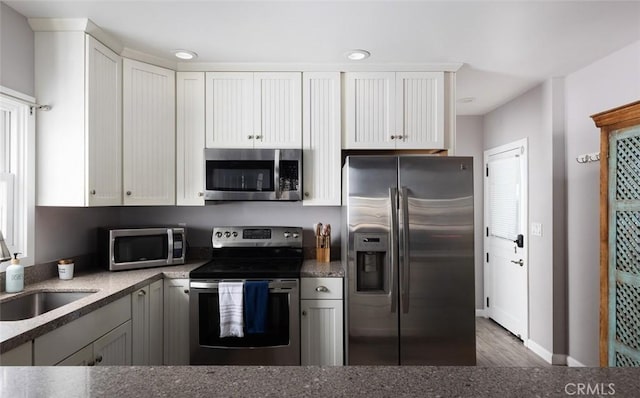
69 231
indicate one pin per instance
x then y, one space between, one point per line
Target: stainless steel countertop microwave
252 174
125 248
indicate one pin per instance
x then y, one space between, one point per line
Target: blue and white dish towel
231 310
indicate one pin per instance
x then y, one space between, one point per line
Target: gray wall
605 84
469 142
533 115
16 51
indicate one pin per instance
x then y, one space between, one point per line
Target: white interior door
506 263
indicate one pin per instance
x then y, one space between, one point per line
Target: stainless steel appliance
140 247
409 254
272 254
252 174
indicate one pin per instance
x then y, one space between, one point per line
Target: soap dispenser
15 275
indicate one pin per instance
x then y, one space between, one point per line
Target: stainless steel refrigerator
408 246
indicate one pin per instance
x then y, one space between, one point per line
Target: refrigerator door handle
393 250
404 290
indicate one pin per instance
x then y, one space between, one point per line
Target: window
17 174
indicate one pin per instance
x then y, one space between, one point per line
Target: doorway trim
524 195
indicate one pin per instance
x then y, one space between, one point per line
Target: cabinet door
140 326
176 321
321 139
190 142
148 134
277 105
229 110
114 348
156 322
103 83
82 357
419 110
369 110
321 330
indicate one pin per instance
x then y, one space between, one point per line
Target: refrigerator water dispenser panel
371 255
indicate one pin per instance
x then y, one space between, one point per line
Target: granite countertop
301 381
315 269
109 286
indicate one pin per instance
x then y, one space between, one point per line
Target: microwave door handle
169 246
276 173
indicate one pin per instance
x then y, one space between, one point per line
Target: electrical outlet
536 229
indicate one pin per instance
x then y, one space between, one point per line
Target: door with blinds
624 248
505 270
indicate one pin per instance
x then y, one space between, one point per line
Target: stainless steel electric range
241 254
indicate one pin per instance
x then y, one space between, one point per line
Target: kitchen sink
35 303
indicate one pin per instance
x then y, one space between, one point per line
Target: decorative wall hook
588 157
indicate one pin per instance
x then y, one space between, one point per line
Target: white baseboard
554 359
575 363
482 313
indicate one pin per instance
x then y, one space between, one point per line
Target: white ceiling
506 47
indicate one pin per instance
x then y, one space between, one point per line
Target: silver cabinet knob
128 193
393 137
141 293
250 137
322 289
99 359
304 313
258 137
93 192
306 194
186 291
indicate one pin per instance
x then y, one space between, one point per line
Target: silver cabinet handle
99 359
322 289
519 262
141 293
128 193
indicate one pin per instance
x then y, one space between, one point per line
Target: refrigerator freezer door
372 315
437 320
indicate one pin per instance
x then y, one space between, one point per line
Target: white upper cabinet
79 139
190 140
394 110
253 110
321 139
149 135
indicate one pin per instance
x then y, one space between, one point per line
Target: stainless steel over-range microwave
131 248
252 174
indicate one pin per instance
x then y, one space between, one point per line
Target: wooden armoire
619 235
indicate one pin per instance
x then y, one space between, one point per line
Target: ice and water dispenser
371 261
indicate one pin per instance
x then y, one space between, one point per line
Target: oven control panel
256 236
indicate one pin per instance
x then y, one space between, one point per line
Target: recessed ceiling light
358 55
185 54
466 100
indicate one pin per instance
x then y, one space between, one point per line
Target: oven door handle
273 286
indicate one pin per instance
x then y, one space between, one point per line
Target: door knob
519 262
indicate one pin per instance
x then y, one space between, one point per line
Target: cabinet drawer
321 288
58 344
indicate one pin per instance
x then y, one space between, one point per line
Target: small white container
65 269
14 276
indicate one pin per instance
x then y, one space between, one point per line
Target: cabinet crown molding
75 25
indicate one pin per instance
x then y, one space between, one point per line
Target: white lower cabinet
102 337
322 321
114 348
176 321
19 356
147 324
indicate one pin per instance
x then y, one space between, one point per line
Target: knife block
323 249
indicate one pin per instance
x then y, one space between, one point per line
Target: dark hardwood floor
496 347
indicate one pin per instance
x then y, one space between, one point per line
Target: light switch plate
536 229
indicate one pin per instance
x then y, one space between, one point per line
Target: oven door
279 345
